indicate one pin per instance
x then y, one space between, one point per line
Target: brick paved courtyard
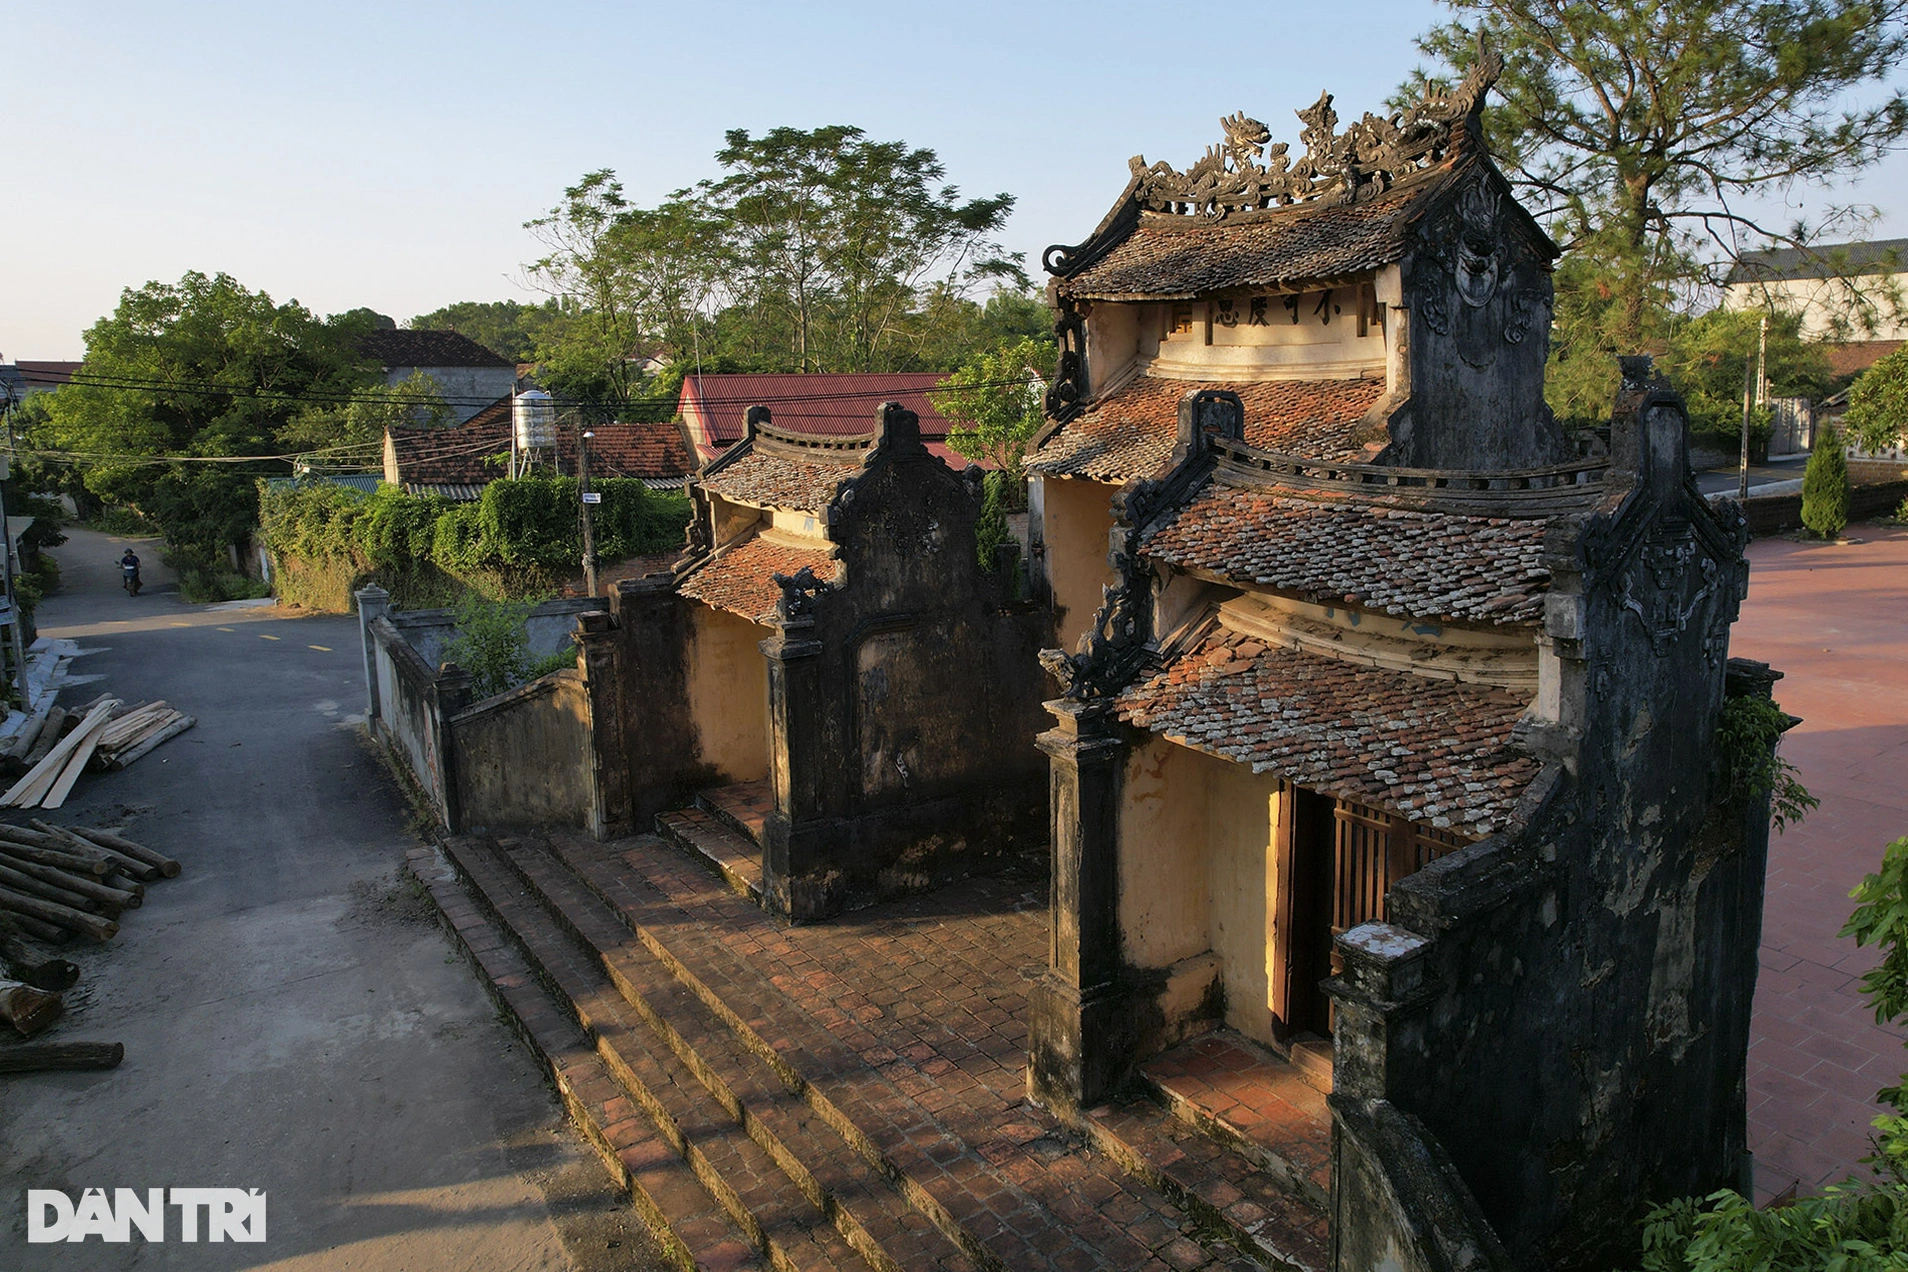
1835 619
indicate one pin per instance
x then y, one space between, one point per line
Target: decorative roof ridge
1375 153
1507 492
831 448
1410 183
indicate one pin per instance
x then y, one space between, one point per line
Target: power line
348 397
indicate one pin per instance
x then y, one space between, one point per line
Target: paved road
1727 480
1833 618
294 1020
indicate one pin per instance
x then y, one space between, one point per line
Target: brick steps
714 839
984 1186
871 1214
767 1206
1255 1104
692 1230
1213 1180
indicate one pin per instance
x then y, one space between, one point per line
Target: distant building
21 380
713 406
1841 290
470 376
459 462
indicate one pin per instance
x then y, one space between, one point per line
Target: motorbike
130 575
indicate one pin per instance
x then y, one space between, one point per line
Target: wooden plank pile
105 734
56 883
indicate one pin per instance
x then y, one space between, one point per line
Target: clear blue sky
388 154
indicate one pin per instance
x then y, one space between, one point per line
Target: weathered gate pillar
1081 1035
373 603
790 878
596 639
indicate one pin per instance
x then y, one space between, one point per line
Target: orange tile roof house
713 407
459 462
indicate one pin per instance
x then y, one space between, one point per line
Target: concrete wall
467 389
1778 514
1829 311
1077 517
1313 335
1199 875
728 694
524 758
407 713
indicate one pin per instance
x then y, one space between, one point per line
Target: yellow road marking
323 649
178 624
262 636
226 629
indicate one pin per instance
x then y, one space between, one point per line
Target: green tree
198 369
1708 357
1639 130
834 237
993 403
1825 487
1878 404
357 425
507 327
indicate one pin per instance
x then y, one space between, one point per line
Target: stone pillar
450 693
1375 1018
1082 1038
610 814
791 875
373 603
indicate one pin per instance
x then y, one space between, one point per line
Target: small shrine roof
1436 751
1177 257
1130 432
741 579
1403 562
767 478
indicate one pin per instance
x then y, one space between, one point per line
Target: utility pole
588 497
1748 402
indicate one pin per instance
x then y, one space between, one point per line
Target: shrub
492 644
1825 487
990 531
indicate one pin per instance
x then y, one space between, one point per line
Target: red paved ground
1834 617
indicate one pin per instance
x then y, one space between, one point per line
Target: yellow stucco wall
1078 518
728 694
1198 872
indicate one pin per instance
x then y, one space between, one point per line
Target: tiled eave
1434 751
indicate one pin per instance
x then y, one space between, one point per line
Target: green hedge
521 539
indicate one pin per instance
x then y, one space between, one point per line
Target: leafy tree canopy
1878 404
1642 131
508 327
201 367
994 403
1709 357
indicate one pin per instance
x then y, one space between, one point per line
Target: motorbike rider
129 566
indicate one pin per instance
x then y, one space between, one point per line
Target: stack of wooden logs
58 882
104 734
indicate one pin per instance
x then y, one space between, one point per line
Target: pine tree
1825 487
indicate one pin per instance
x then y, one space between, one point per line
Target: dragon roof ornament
1360 163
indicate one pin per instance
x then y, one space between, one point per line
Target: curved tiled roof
768 480
1130 432
1397 561
1169 256
1437 751
741 579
